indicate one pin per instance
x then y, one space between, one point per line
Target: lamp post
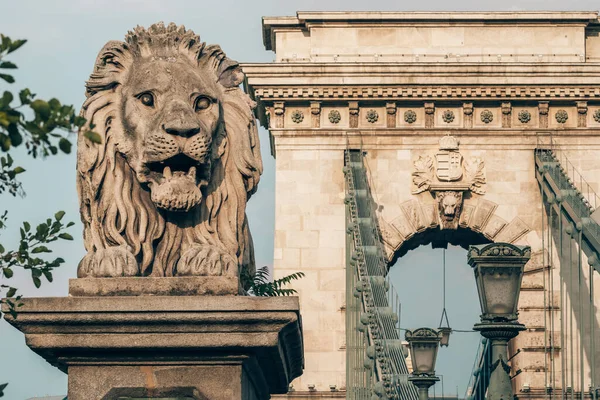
498 269
423 345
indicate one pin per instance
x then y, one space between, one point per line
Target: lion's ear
230 73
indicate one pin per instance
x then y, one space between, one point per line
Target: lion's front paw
108 263
206 260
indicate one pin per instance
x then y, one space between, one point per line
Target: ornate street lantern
498 272
498 269
445 335
423 345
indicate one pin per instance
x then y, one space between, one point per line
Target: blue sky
64 38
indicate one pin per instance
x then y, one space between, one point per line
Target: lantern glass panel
500 290
423 357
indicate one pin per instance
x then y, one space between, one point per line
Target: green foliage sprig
260 284
41 126
32 245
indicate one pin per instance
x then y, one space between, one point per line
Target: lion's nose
182 128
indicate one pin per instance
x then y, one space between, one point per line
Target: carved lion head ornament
165 192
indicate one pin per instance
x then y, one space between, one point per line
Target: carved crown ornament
447 176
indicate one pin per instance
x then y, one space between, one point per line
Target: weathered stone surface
164 192
150 286
223 347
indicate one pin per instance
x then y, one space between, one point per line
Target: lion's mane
116 209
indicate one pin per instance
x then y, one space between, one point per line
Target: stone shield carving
164 193
452 177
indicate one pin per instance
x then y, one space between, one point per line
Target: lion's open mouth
179 166
175 182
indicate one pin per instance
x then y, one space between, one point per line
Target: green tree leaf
7 78
64 145
59 215
7 272
7 65
65 236
92 137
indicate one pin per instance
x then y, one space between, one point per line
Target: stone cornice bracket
353 110
506 114
279 114
391 109
468 112
543 110
315 114
582 110
429 115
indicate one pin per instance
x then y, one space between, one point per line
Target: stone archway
419 223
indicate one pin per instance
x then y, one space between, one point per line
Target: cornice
422 92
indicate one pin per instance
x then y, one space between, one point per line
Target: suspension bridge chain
573 213
376 360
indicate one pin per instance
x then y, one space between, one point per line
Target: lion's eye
202 103
147 99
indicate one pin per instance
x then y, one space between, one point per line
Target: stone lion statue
165 192
450 207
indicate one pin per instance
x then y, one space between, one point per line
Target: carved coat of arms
448 178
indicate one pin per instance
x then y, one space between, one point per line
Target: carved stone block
493 227
482 213
513 231
279 114
468 115
582 110
543 110
315 114
414 215
466 215
429 115
506 115
353 109
391 115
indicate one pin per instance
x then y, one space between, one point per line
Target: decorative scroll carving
597 115
429 115
315 112
582 110
506 115
279 111
165 192
390 109
543 110
353 110
468 115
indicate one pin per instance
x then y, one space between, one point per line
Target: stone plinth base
188 347
147 286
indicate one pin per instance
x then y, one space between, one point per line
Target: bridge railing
376 364
480 375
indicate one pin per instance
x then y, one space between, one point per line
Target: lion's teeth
192 172
167 172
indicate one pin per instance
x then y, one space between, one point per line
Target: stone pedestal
180 347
